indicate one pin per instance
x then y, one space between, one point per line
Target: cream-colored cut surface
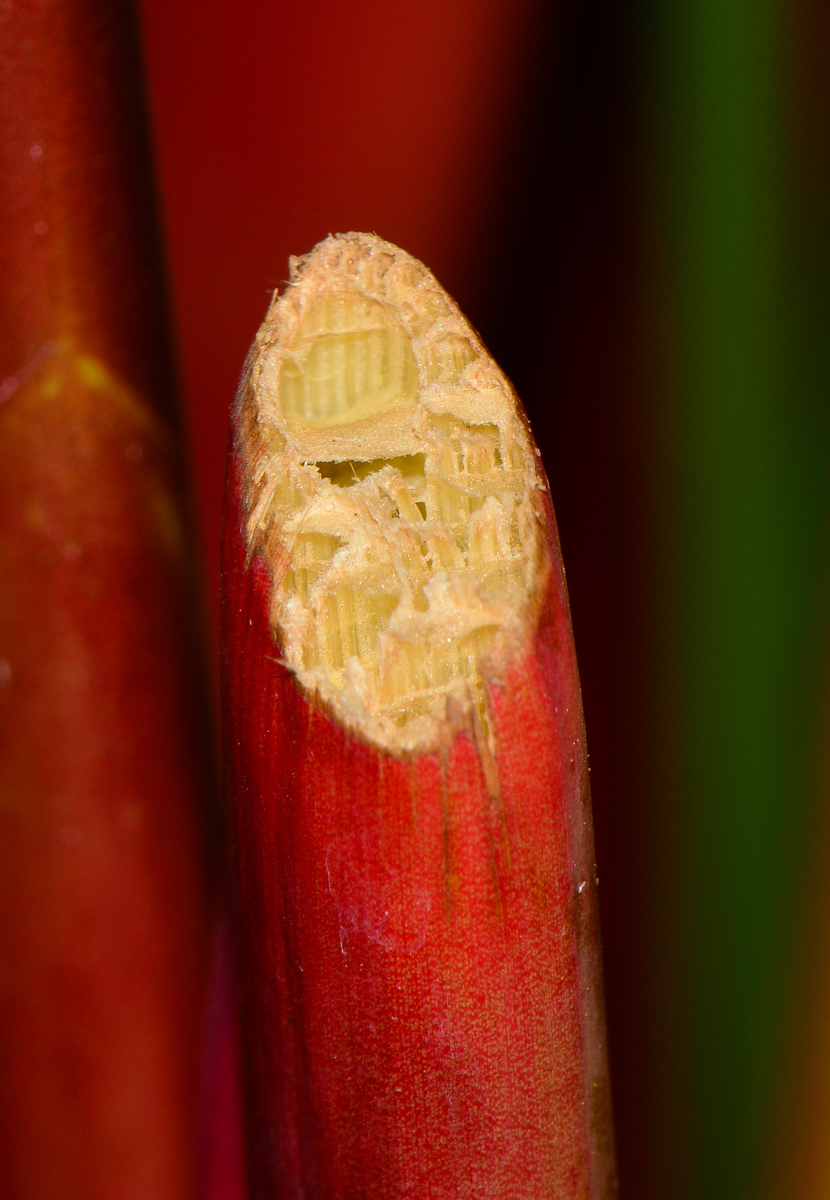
393 487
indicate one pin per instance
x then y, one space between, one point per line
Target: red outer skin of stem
104 759
221 1164
419 937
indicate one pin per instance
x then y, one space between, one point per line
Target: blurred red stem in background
105 761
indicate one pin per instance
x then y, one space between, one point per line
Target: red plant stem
419 936
221 1160
104 762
